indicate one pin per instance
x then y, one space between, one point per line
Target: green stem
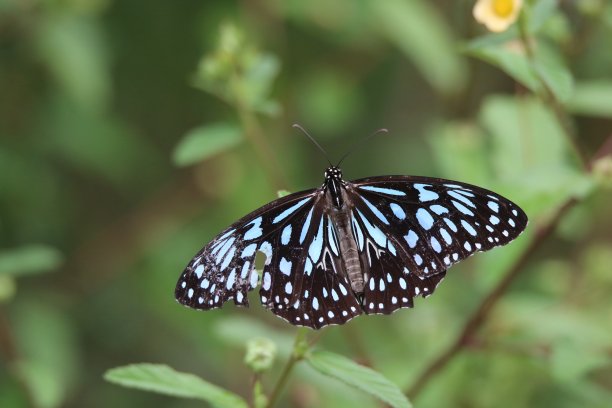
300 347
255 136
548 96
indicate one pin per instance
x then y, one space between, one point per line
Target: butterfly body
346 248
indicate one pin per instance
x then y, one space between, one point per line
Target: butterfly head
333 173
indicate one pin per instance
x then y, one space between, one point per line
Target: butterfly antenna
361 143
296 126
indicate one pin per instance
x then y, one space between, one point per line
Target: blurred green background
132 132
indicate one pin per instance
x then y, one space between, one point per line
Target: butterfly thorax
340 214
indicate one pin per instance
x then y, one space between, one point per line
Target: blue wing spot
466 225
255 231
462 208
438 209
286 234
376 211
426 195
424 218
411 238
289 211
390 191
397 211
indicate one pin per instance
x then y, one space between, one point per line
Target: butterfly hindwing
224 269
304 283
390 278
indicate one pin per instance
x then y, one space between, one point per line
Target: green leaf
417 28
29 260
554 71
358 376
539 13
459 150
257 82
592 98
162 379
49 352
571 360
510 56
206 141
73 48
530 151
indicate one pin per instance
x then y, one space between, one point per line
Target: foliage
131 133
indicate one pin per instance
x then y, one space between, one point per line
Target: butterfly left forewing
224 269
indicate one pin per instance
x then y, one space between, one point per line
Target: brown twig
485 308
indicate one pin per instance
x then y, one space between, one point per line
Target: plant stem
300 346
254 134
548 96
480 315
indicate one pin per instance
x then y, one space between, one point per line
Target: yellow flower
497 15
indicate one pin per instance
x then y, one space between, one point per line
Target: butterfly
349 247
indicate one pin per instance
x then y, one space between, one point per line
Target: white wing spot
494 220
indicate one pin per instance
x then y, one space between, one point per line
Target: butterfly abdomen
348 248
